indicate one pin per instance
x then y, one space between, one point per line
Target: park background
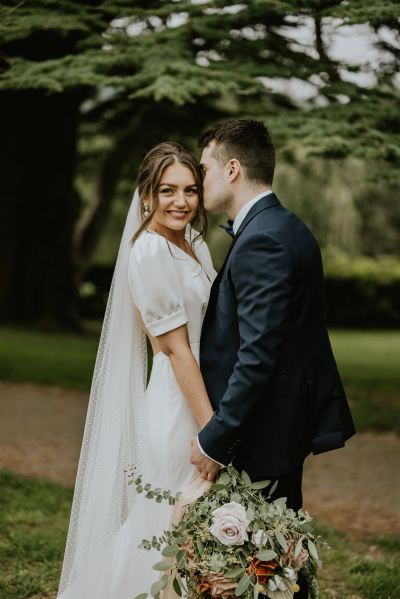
86 88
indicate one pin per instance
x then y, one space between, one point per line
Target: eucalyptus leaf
141 596
281 540
236 497
156 588
224 479
261 484
216 562
179 540
243 559
161 566
235 573
200 545
265 555
170 551
298 547
280 501
250 513
243 585
164 581
246 478
312 549
273 488
177 587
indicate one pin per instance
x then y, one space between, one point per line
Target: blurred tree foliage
112 77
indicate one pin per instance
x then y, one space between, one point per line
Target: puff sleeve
155 284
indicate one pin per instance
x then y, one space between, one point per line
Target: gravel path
356 488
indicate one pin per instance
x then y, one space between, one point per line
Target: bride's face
178 198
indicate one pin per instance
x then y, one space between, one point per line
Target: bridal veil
114 436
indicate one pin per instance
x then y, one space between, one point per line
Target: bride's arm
175 344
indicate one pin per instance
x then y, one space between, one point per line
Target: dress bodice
169 287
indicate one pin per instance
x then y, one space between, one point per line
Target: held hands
207 468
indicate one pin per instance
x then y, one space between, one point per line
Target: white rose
259 538
290 574
276 583
230 524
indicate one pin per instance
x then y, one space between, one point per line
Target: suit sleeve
261 272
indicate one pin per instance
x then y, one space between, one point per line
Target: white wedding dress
169 288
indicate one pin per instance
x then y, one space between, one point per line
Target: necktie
228 228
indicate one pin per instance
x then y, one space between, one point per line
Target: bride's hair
149 177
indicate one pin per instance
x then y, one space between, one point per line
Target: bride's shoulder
148 246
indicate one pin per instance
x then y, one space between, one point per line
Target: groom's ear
233 169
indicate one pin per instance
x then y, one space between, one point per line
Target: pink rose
230 524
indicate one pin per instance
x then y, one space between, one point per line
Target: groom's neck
243 196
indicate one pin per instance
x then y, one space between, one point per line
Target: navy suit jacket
265 353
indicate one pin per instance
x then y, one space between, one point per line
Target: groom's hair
248 141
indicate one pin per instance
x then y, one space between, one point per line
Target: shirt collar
241 215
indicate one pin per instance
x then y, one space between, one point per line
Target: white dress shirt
239 218
241 215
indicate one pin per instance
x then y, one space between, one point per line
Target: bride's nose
180 199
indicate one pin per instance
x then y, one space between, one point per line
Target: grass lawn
368 361
367 569
33 522
34 517
55 359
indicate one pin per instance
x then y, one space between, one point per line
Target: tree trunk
38 208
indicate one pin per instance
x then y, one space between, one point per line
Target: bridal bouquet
234 542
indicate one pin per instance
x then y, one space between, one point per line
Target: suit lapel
263 204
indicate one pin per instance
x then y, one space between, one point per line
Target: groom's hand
206 467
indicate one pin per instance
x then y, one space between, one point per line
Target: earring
146 210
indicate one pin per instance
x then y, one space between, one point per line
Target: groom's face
217 194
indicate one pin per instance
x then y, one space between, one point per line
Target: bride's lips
179 214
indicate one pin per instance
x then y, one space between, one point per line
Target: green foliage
366 128
214 57
382 270
132 74
385 12
362 292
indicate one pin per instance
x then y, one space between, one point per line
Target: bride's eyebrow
175 186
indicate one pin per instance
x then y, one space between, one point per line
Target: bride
160 289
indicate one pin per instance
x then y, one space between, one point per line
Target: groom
265 354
